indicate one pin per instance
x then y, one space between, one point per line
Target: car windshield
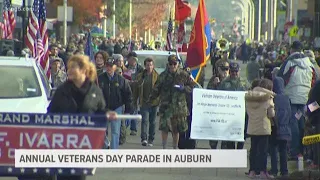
18 82
160 61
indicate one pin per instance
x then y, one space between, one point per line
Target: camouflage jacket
237 84
173 100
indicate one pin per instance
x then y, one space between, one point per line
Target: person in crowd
10 53
313 114
253 70
132 70
100 59
124 52
214 82
310 54
275 72
79 94
119 60
117 94
171 87
281 132
145 83
233 83
185 142
58 76
260 109
299 76
224 58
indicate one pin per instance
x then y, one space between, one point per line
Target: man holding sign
172 86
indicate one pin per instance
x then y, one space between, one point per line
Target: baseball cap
173 58
234 67
110 62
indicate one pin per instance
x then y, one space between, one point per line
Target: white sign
157 158
69 13
218 115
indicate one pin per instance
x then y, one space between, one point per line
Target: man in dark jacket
117 92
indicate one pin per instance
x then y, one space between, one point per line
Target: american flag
37 35
313 106
169 35
89 49
9 22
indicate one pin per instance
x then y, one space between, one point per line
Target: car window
44 81
18 82
160 61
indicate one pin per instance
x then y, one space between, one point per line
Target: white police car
24 86
160 58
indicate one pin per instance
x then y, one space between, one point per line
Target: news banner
73 144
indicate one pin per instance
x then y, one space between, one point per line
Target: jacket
260 108
314 95
116 92
63 102
138 93
282 110
299 75
173 100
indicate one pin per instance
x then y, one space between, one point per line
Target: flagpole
65 2
130 19
24 22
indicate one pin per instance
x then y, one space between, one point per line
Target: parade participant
281 132
100 58
58 76
260 108
79 94
117 93
119 61
145 83
131 72
233 83
313 114
224 58
299 76
253 70
214 82
171 87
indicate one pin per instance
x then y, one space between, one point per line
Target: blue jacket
282 109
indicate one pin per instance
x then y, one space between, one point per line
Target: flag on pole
169 34
32 35
89 49
9 22
37 35
43 32
200 41
182 10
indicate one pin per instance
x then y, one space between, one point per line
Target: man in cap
171 87
131 72
299 76
117 93
233 83
58 76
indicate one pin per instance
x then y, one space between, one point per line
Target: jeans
297 130
259 153
281 147
133 125
149 115
115 131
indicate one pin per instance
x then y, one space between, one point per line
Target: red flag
200 40
182 11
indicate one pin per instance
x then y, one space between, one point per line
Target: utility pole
24 16
65 5
130 19
259 21
114 19
266 20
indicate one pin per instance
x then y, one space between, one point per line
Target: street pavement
133 142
